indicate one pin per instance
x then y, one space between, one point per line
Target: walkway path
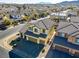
47 47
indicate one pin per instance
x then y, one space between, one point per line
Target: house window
30 28
77 40
62 34
35 30
43 30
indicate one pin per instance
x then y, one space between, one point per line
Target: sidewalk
47 47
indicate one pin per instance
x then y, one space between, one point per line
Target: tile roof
69 28
75 19
44 23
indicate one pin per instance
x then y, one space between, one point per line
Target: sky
33 1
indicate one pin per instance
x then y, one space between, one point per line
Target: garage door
77 54
32 39
62 49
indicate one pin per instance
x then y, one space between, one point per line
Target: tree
36 16
57 19
24 7
71 7
15 23
6 21
25 17
44 14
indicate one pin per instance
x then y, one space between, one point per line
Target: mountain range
69 3
65 3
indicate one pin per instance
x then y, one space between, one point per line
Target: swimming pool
26 49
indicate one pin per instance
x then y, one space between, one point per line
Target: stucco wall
71 39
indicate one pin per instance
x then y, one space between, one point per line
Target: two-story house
40 30
69 30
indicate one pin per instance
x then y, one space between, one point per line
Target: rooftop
68 27
44 23
75 19
63 41
59 14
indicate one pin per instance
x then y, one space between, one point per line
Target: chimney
69 19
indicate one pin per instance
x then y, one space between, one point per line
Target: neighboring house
10 9
74 19
72 13
69 30
15 17
40 30
62 15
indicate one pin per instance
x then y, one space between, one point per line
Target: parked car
3 27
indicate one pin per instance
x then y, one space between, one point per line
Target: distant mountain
65 3
45 3
69 3
1 2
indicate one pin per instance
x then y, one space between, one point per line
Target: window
43 30
77 40
30 28
62 34
35 30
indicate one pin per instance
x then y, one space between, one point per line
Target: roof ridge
64 26
40 19
74 32
74 26
44 24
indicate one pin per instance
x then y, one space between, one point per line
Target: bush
43 50
15 23
7 22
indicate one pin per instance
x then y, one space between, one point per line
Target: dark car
3 27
